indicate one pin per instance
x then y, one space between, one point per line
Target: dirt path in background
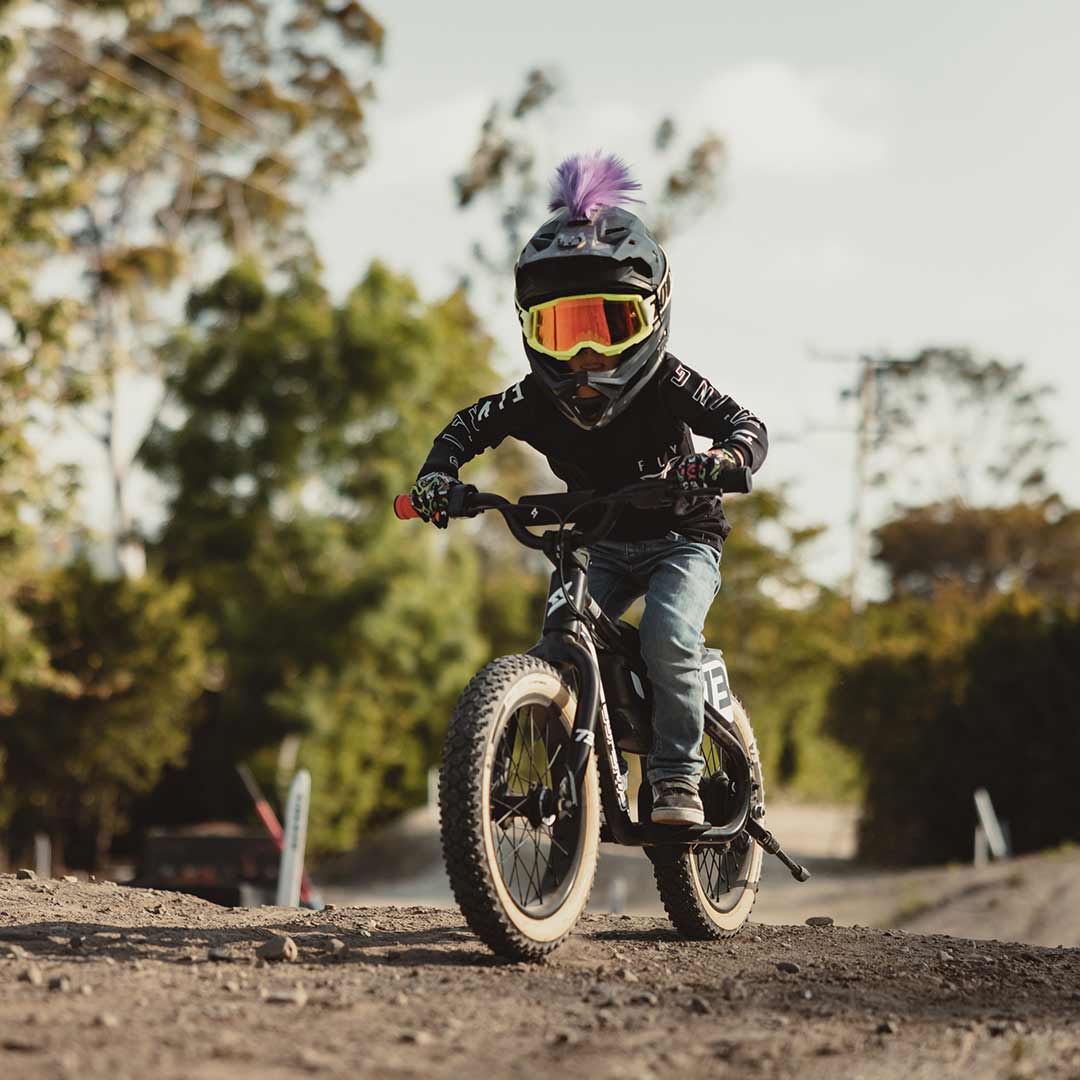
1033 899
163 985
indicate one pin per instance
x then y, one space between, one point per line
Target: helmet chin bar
588 412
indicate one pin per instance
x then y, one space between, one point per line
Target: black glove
702 470
430 497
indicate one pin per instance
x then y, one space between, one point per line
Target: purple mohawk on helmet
586 182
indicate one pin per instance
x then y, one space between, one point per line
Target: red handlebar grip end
403 508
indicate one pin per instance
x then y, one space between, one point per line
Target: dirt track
414 994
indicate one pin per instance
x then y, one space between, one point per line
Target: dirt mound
99 980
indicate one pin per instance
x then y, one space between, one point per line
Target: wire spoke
534 861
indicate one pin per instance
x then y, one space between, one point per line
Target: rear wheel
520 852
709 892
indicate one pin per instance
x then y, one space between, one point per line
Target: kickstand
771 846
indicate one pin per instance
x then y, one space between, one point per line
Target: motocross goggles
609 323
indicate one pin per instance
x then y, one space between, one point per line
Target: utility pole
864 445
866 396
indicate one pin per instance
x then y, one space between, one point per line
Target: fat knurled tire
678 881
463 813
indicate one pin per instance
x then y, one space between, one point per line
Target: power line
172 70
175 70
161 101
191 159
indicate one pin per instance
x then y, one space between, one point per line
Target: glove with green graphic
702 470
430 497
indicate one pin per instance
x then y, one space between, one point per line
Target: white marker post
294 841
991 827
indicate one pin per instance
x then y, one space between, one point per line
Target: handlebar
532 510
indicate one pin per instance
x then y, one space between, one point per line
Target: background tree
298 422
34 498
983 551
782 636
99 732
949 424
502 172
147 138
964 703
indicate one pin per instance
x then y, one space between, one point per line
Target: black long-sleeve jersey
655 428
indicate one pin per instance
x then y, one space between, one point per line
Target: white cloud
780 120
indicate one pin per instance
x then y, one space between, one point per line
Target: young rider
607 405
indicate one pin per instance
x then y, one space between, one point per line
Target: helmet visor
606 323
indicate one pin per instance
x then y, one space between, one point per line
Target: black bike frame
567 642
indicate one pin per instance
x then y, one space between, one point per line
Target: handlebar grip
403 508
737 481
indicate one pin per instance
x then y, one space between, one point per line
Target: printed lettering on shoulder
703 392
479 412
680 375
450 439
720 402
516 394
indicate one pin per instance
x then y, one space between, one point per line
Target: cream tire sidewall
545 688
733 919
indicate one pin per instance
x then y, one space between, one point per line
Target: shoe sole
676 816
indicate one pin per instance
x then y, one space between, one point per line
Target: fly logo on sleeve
680 375
479 412
517 395
459 421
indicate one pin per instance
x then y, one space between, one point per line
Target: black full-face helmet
593 277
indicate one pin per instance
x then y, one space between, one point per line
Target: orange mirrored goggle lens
594 320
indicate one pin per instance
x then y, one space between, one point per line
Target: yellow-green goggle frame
530 319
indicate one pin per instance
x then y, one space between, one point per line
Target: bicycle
525 794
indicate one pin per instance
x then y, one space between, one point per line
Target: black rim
721 871
536 848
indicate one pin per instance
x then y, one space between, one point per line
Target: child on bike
607 404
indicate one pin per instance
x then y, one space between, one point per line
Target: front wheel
709 892
520 851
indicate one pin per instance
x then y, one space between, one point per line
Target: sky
900 176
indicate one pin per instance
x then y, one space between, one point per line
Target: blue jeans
679 579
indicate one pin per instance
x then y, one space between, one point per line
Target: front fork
566 641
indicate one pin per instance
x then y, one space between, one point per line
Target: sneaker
676 802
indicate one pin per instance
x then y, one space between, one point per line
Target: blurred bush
973 696
299 420
127 665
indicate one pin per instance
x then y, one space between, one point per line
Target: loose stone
279 948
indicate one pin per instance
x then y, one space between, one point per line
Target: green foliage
983 550
129 663
502 169
947 423
965 702
143 141
781 636
300 422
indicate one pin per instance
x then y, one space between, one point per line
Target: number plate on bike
717 687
